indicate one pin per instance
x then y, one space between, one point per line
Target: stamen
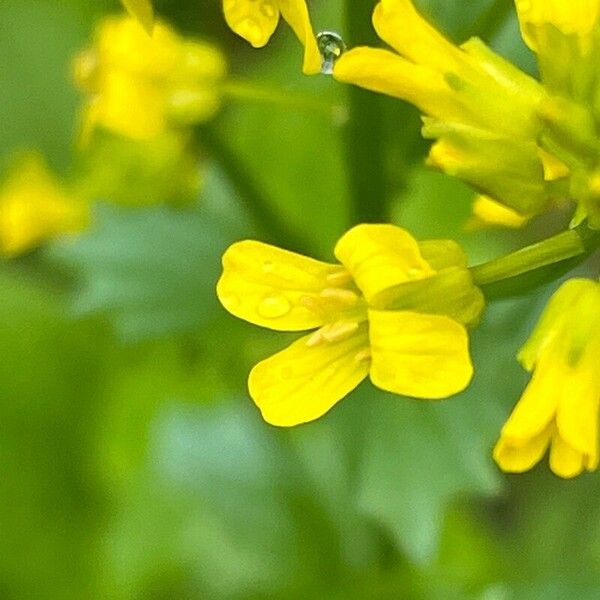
339 278
346 297
315 339
363 356
339 331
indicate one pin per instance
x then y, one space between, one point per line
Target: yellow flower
481 110
256 20
34 208
142 10
559 408
140 85
393 309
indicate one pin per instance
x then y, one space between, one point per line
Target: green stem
365 132
269 223
250 92
534 265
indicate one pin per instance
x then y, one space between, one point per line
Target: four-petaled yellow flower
559 408
393 309
256 20
34 207
139 86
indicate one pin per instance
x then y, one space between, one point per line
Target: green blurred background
133 464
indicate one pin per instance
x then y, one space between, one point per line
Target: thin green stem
271 226
536 264
248 91
365 132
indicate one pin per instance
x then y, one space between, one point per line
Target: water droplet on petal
331 46
273 306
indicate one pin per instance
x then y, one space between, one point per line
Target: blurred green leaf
418 457
152 271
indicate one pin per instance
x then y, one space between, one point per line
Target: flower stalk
529 267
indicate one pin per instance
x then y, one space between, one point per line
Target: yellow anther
315 339
339 278
363 356
338 331
346 297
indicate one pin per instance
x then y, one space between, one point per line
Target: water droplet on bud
331 45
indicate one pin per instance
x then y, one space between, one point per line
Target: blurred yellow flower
256 20
559 408
34 208
393 309
140 85
142 10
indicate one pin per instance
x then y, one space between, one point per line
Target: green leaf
420 456
151 271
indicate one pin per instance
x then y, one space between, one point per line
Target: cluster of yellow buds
141 85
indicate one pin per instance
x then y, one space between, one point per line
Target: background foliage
133 464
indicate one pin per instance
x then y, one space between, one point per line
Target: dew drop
273 306
331 46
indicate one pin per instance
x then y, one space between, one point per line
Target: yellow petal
520 456
398 23
568 17
302 382
488 212
132 108
565 461
387 73
442 254
282 290
538 404
296 14
575 302
142 10
381 256
424 356
553 167
254 20
577 414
